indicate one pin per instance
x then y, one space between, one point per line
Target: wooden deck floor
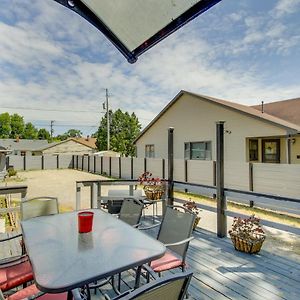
220 272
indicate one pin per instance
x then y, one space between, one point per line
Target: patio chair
175 232
39 206
32 292
15 271
172 287
131 211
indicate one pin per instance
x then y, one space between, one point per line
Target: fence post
185 173
7 162
131 168
214 173
57 161
43 162
101 165
163 168
120 168
73 161
94 164
24 162
82 162
221 200
251 202
77 162
170 166
89 158
110 166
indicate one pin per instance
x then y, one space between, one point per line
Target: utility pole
105 105
51 128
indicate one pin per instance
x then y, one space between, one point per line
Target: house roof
22 144
88 142
288 110
247 110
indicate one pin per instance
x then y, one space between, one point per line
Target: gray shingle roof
23 145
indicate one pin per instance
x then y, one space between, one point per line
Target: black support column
221 200
170 166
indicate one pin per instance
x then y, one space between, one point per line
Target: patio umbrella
134 26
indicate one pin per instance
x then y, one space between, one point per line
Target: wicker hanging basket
247 245
154 192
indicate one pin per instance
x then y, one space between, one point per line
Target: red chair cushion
13 276
167 262
33 290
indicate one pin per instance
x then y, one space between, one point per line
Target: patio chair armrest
149 227
11 261
137 225
11 237
180 242
117 297
150 271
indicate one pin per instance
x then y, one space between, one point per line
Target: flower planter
247 245
154 192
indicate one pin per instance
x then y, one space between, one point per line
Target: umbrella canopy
134 26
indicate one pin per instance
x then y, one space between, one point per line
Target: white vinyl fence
275 179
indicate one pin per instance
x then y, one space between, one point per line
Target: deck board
221 272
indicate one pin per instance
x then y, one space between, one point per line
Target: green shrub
11 172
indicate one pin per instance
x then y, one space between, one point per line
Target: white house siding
295 151
195 120
68 147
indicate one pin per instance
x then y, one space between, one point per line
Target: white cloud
51 58
286 7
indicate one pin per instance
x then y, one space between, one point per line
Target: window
271 151
149 151
197 150
253 150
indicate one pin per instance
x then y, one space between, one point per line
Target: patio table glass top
63 259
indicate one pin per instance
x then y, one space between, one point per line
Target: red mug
85 221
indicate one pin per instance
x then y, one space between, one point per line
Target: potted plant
153 187
192 206
247 234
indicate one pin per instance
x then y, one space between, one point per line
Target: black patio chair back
172 287
177 225
131 211
39 206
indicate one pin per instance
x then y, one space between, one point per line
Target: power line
58 110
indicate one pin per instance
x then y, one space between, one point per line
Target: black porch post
221 200
170 166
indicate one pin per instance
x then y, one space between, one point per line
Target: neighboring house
23 147
72 146
250 135
108 153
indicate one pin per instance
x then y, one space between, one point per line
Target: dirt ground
56 183
61 184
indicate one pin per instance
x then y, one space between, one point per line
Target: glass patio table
62 259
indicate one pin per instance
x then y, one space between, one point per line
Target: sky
54 65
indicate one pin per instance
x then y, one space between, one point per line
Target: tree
124 128
30 132
44 134
71 133
5 127
17 126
